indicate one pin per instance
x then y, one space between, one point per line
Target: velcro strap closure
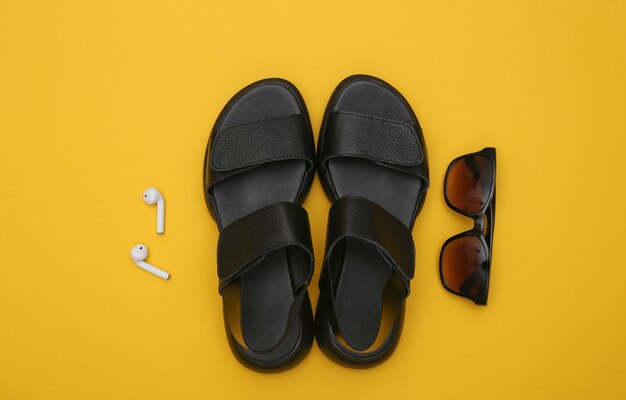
263 231
257 142
378 139
360 218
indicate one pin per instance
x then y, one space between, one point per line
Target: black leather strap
257 142
378 139
243 243
360 218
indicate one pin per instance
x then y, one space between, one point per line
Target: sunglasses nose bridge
479 223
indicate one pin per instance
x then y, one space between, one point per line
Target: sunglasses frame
488 211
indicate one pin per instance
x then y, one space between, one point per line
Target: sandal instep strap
244 242
356 217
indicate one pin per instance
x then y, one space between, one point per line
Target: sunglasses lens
463 265
469 183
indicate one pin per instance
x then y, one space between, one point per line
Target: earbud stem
161 216
153 270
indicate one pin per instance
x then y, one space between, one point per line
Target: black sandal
258 168
373 165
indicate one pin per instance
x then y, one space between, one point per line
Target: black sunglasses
465 260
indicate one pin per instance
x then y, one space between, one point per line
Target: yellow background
100 100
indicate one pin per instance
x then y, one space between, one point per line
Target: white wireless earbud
139 254
152 196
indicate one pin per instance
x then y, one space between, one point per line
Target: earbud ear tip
151 196
139 252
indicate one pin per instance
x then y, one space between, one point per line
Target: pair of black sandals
259 167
